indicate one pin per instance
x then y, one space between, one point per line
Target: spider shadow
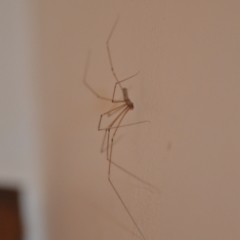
148 185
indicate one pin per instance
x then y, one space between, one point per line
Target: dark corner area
10 219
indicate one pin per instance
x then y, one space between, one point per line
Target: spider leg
109 53
109 172
113 100
87 85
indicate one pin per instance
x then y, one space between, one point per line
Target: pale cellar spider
120 112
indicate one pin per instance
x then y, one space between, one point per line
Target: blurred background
53 176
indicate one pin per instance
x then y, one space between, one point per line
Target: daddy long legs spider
115 124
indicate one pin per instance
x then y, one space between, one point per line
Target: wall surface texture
186 158
188 87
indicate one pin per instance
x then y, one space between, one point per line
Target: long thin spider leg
87 85
113 100
109 174
134 176
109 170
114 112
114 133
100 120
103 142
122 114
111 124
108 134
130 124
134 75
109 53
122 168
124 205
109 179
126 125
109 128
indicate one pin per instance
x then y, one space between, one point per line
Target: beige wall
188 87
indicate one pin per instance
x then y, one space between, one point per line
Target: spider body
126 99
